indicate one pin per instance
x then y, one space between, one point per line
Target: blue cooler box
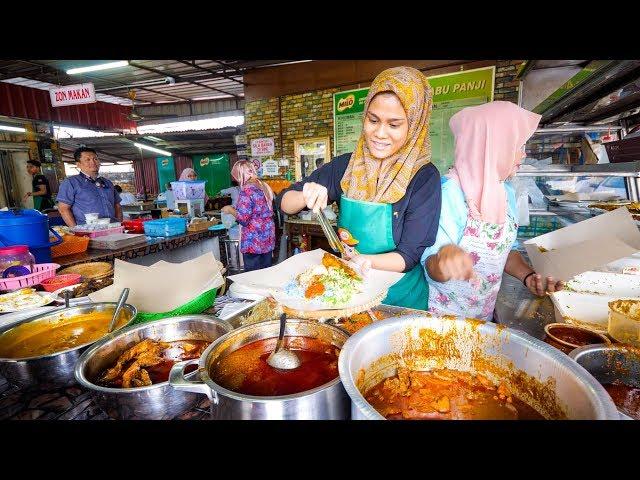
165 227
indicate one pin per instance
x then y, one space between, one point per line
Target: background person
477 231
254 212
88 192
189 174
41 193
126 198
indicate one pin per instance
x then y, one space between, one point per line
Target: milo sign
348 108
351 101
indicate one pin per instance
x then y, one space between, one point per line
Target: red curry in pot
246 370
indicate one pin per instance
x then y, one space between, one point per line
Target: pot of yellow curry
43 350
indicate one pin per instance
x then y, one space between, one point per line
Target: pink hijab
487 139
245 170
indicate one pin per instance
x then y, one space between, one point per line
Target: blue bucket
28 227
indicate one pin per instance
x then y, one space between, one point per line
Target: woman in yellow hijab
388 190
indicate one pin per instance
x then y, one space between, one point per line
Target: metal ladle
282 358
116 313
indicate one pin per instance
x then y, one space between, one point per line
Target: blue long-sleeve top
415 216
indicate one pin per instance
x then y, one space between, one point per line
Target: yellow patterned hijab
385 181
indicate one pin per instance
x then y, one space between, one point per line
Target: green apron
37 203
372 225
41 203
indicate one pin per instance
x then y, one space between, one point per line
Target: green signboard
451 93
214 168
166 171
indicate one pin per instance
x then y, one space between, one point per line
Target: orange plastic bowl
59 281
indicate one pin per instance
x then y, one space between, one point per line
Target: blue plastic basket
165 227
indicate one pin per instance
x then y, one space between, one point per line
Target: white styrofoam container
606 283
586 309
588 305
627 265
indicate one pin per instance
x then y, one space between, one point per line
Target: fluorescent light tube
102 66
12 129
153 149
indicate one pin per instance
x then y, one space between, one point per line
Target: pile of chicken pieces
144 354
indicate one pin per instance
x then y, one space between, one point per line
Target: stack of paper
163 286
117 241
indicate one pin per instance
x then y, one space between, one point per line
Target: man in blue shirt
87 192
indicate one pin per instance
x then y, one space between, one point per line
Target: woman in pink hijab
254 212
476 240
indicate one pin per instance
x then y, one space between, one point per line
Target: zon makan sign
73 95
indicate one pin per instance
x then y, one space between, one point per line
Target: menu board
451 92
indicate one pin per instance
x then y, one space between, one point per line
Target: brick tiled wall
310 114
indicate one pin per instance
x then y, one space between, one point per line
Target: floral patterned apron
489 245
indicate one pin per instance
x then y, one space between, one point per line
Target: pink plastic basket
98 233
42 272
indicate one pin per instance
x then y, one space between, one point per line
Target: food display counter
172 249
516 308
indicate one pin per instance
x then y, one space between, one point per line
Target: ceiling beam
102 152
205 69
62 74
181 79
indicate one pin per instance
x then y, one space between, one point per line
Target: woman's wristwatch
524 280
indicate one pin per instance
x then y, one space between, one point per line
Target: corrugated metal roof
48 86
194 79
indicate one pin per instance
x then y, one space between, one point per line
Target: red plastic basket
42 272
60 281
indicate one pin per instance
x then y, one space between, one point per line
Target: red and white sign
261 147
73 95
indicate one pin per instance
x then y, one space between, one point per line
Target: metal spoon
116 313
281 358
66 294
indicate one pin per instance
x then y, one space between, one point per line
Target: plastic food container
624 321
93 233
71 244
60 281
91 217
188 190
16 261
136 225
165 227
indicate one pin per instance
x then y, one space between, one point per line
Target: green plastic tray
195 306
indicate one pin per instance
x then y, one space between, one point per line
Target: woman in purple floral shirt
254 211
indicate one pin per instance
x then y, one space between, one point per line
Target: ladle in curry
116 313
282 358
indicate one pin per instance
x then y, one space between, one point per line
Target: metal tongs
330 233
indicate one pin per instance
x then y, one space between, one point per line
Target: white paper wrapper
273 280
163 286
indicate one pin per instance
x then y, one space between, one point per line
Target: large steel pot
154 402
537 373
326 402
55 370
610 363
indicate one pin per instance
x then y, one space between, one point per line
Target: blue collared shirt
86 195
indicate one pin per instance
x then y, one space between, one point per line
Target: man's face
89 163
31 169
